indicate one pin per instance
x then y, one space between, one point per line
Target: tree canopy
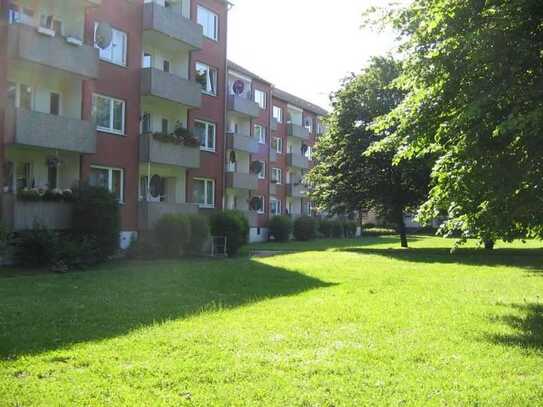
346 177
473 78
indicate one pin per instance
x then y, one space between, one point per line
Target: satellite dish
103 35
238 87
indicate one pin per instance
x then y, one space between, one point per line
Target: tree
473 78
350 177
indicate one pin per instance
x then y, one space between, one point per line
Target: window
166 66
275 205
52 176
209 21
12 94
207 134
25 97
277 145
116 51
262 173
276 176
307 152
308 124
147 60
146 123
165 125
260 98
260 134
54 104
260 204
111 179
203 192
109 114
207 78
278 114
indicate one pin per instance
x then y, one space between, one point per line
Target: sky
304 47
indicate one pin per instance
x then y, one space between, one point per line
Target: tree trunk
402 230
489 244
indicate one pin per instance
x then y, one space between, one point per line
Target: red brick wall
282 158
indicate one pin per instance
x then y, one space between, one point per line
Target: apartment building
92 91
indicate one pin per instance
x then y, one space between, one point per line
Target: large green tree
473 77
346 178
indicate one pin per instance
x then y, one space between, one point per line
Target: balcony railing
297 190
238 180
149 213
240 142
243 105
158 152
35 129
298 161
295 130
21 215
170 87
165 21
25 43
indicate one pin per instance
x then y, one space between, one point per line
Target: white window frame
209 90
206 205
262 209
279 205
262 174
206 134
260 98
309 153
278 113
310 125
279 178
110 178
278 145
111 112
206 29
262 135
110 58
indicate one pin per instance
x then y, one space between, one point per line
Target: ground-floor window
109 178
203 192
275 205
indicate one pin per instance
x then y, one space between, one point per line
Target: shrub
172 233
234 226
96 215
74 252
145 247
280 228
337 229
199 233
325 228
349 227
304 228
36 247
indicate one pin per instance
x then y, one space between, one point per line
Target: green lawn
335 323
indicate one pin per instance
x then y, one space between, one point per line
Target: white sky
304 47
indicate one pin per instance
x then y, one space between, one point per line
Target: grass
334 323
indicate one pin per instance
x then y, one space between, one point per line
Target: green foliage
325 228
349 175
473 75
305 228
96 215
234 226
349 228
199 233
336 230
36 247
173 234
145 247
280 228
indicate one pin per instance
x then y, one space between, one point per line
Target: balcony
26 44
240 142
297 191
295 130
166 22
20 215
238 180
170 87
158 152
298 161
150 212
244 106
35 129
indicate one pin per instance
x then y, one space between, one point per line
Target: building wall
281 162
213 53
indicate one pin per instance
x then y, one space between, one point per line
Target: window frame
262 174
279 205
112 100
207 125
124 62
262 210
110 179
215 36
261 140
264 98
276 109
278 171
205 181
278 145
210 69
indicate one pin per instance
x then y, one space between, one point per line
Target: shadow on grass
50 311
529 327
531 259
